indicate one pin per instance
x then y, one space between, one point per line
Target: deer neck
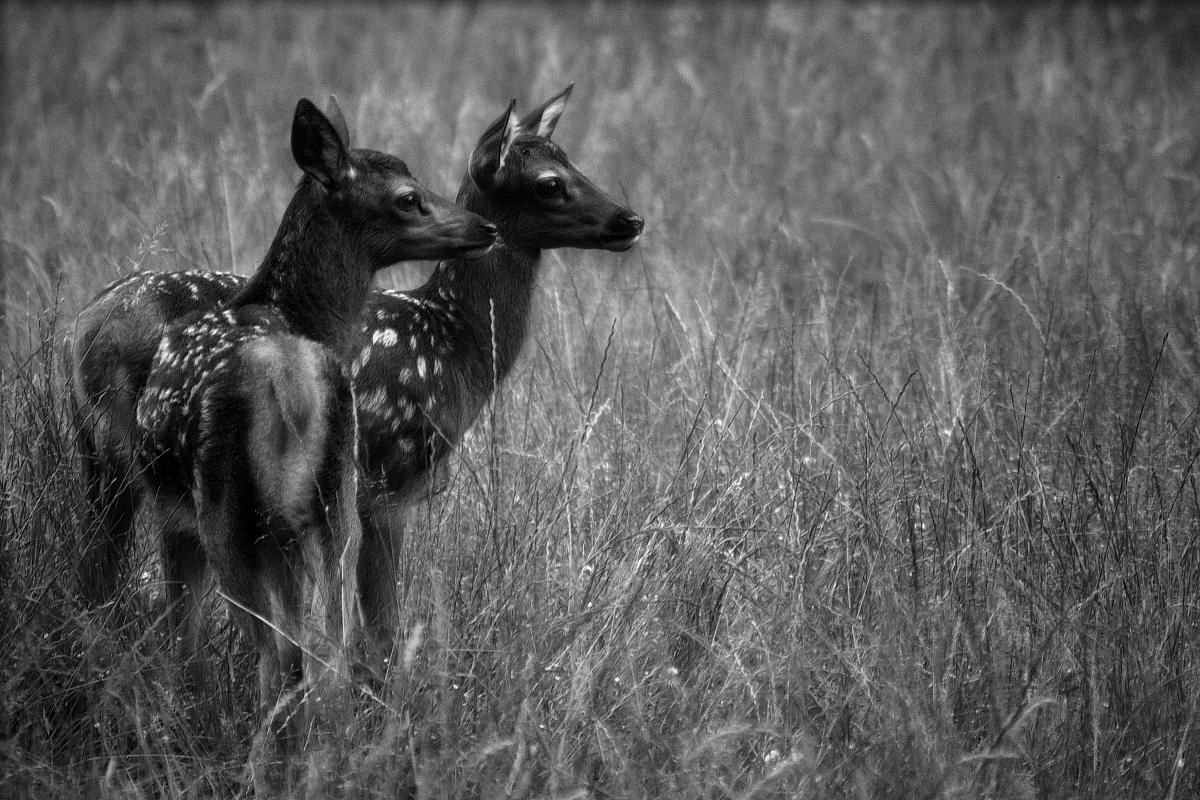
318 283
491 298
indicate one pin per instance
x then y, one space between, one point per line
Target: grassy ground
870 472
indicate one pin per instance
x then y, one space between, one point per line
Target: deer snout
482 235
487 233
622 230
632 223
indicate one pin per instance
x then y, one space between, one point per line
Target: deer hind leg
186 579
294 576
281 660
341 567
112 491
112 502
336 542
274 755
259 581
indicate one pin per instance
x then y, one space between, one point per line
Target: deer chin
619 245
477 251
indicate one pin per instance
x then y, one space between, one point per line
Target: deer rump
249 452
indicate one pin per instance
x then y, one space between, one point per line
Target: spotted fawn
245 428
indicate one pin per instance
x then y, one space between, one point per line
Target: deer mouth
619 243
476 250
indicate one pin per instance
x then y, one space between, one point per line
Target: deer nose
489 228
628 222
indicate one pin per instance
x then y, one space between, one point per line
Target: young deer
437 353
246 423
426 369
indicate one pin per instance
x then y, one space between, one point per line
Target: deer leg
378 567
384 516
284 578
262 587
247 569
337 533
340 564
112 501
107 444
185 572
332 542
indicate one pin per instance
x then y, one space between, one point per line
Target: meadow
870 472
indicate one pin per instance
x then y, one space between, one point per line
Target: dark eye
549 187
407 201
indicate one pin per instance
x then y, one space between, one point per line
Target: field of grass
869 473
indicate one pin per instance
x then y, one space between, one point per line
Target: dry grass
869 473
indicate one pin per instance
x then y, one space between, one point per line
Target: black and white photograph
599 400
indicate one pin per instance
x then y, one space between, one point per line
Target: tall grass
870 472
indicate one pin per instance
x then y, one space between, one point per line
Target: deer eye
407 201
548 187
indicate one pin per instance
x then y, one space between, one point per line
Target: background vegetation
870 472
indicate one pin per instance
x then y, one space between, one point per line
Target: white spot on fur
407 409
386 337
360 362
375 400
421 366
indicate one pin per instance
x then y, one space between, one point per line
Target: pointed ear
489 154
334 112
317 147
543 119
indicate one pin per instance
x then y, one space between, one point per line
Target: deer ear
543 119
317 147
492 148
334 112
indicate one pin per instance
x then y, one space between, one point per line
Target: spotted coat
175 410
413 406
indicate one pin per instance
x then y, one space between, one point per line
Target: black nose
489 229
630 223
